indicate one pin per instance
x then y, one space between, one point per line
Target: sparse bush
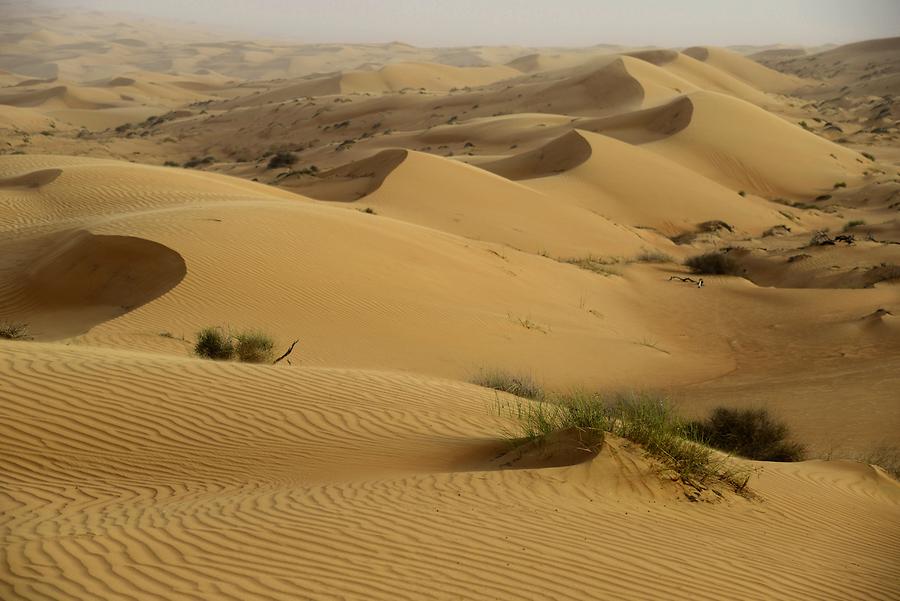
595 264
516 384
653 256
750 433
882 273
250 346
713 263
369 211
213 343
886 457
199 162
742 193
871 157
14 331
253 347
840 185
170 164
281 159
853 223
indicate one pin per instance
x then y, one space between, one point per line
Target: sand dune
745 69
472 203
200 493
414 217
674 199
743 157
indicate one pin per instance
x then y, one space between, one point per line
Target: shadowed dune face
35 179
79 280
645 125
565 153
355 180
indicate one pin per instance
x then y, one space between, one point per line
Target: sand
429 229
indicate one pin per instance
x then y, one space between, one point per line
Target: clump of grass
713 263
595 264
253 347
213 343
545 418
840 185
653 256
750 433
646 420
853 223
742 193
14 331
249 346
869 156
521 385
651 423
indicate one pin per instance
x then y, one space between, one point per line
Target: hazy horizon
529 22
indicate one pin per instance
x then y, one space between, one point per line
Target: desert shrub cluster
249 346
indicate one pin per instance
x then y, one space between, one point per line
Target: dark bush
713 263
750 433
14 331
213 343
199 162
281 159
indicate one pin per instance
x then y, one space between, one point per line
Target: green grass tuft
213 343
519 385
254 347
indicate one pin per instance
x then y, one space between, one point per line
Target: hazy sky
536 22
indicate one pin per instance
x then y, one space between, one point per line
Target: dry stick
287 352
675 277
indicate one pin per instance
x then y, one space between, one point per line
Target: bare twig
287 352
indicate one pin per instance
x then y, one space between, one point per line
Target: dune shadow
77 280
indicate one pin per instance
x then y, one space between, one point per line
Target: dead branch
287 352
687 280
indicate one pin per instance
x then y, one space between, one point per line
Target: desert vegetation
749 433
14 331
250 346
281 159
644 419
713 263
521 385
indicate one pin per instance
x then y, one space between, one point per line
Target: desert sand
434 223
